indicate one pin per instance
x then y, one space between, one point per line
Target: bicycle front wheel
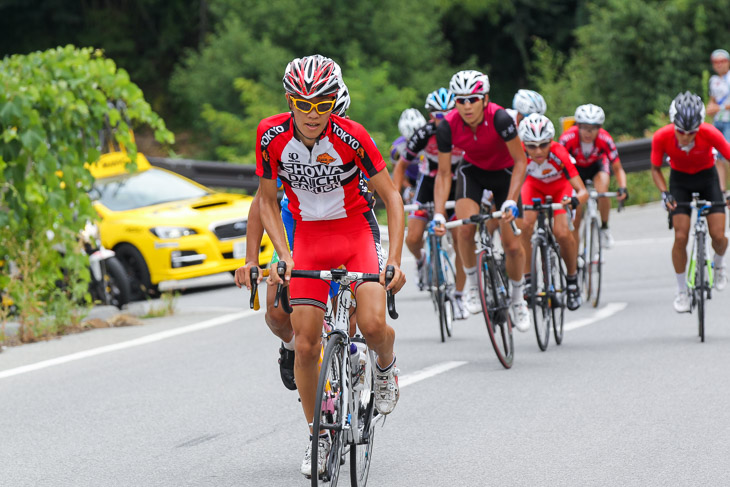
435 283
361 452
493 295
594 264
559 293
330 409
449 282
700 284
540 294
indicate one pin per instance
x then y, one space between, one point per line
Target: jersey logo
265 155
325 158
360 152
545 172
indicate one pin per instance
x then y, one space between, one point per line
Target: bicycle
440 274
493 284
700 273
549 286
345 400
590 250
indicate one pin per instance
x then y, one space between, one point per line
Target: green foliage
54 104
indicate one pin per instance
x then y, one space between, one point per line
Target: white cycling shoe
520 315
681 302
720 278
323 450
386 390
472 301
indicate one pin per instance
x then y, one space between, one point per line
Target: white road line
609 310
427 373
155 337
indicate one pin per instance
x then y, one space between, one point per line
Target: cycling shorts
471 181
706 183
589 172
424 194
534 188
353 242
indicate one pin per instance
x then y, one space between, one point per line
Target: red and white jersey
557 165
603 146
328 182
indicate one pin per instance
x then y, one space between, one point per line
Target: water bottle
356 362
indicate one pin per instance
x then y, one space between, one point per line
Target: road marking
154 337
427 373
609 310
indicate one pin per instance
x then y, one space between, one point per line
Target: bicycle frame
700 227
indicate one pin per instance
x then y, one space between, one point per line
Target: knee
681 240
413 238
308 348
277 319
513 247
371 326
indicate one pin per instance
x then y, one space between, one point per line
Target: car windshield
146 188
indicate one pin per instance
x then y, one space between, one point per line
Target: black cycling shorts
471 182
589 172
706 183
424 194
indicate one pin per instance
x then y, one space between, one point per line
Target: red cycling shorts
534 188
353 242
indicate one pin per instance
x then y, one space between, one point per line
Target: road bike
493 284
590 251
345 400
548 287
439 274
700 273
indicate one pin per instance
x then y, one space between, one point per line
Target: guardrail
634 158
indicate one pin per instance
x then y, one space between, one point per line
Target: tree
53 105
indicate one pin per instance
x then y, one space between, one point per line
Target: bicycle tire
434 283
560 293
595 268
492 294
700 284
330 406
361 452
583 260
539 294
449 275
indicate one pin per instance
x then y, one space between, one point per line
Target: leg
277 319
568 247
514 253
414 237
601 180
307 324
528 224
716 227
465 208
681 224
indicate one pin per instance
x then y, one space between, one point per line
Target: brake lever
280 289
254 274
390 298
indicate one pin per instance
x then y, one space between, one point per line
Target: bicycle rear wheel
449 282
539 294
435 283
361 452
595 264
330 409
700 284
559 293
493 295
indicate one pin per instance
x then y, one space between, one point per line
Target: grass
164 307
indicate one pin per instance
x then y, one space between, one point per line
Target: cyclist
593 150
689 143
551 172
422 146
322 160
493 160
276 318
524 103
410 120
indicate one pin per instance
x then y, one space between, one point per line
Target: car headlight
172 232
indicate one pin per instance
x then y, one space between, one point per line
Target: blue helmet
441 100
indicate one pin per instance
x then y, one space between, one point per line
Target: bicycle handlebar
427 206
474 219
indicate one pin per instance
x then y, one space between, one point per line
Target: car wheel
136 268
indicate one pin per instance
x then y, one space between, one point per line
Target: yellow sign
114 164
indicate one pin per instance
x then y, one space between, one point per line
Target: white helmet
469 82
536 128
410 121
592 114
343 100
312 76
527 102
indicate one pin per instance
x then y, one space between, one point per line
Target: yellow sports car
164 226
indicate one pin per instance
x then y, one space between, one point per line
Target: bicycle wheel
594 267
539 294
559 293
449 280
361 452
435 282
330 409
493 296
700 284
583 260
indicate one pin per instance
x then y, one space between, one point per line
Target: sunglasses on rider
589 127
686 132
305 106
461 100
542 145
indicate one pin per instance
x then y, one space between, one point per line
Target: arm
442 183
382 183
518 171
254 234
399 174
580 189
271 220
618 171
660 182
712 107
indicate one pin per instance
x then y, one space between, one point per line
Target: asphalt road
630 398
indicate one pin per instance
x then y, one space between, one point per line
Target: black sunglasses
461 100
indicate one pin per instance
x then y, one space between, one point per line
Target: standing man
719 105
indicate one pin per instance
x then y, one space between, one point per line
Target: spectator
719 105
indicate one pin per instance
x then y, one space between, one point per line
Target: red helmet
312 76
